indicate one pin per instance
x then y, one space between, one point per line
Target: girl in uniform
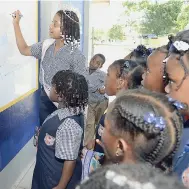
58 165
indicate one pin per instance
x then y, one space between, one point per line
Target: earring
118 88
117 158
117 153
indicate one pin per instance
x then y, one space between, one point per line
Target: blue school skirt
43 180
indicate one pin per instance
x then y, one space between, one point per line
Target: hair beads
70 28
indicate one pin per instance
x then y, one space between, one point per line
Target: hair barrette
142 50
177 104
150 50
138 49
158 122
126 64
181 45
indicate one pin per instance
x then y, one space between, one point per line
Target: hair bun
171 37
141 49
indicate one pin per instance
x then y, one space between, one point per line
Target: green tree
158 18
132 6
99 34
116 32
183 18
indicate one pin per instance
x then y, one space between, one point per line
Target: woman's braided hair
129 176
72 87
127 115
70 27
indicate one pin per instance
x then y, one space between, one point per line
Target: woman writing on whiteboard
58 53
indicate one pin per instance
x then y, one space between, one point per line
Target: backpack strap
46 44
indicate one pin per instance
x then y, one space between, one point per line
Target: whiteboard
18 73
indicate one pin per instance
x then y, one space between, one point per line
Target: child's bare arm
67 173
91 144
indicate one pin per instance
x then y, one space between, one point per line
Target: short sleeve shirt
68 136
64 59
96 80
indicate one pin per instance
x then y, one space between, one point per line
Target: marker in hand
14 15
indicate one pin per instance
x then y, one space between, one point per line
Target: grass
154 43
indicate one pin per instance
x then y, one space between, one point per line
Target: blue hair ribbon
177 104
158 122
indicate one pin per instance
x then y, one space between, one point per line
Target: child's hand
16 18
56 187
185 178
83 152
91 145
36 136
102 90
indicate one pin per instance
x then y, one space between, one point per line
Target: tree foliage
99 34
183 18
158 18
116 32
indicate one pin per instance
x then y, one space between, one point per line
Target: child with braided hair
177 72
127 176
122 75
142 126
153 77
139 55
58 164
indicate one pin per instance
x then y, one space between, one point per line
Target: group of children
148 120
145 126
